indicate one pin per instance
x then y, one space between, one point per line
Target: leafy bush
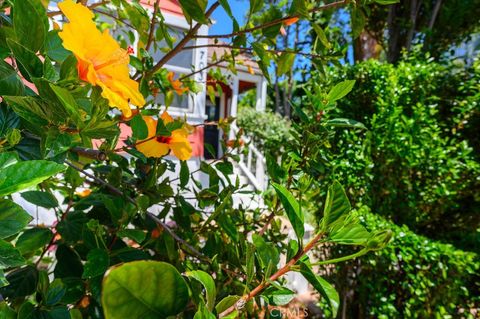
418 162
413 277
268 130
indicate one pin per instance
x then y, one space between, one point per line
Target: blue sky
223 22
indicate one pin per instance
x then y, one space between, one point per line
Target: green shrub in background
418 163
413 277
269 130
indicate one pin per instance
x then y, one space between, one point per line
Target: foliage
418 162
414 277
268 130
138 235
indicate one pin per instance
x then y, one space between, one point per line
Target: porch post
261 95
233 105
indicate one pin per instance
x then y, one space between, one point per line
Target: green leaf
9 256
386 2
143 289
195 9
226 303
135 234
255 6
42 199
139 127
337 205
347 123
69 104
56 291
30 23
207 281
54 47
28 62
97 263
203 312
321 35
25 174
6 312
31 109
13 219
9 120
23 282
10 82
33 239
340 90
323 287
278 297
184 173
285 63
266 252
292 208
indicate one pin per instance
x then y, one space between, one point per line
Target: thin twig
228 46
191 33
108 14
203 69
282 271
152 25
273 22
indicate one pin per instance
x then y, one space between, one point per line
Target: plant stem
282 271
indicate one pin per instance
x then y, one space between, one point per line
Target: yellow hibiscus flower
101 61
161 145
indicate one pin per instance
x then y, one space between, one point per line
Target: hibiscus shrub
131 232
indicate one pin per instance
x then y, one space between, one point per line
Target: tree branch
282 271
191 33
151 33
273 22
228 46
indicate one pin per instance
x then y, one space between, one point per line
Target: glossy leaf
97 263
208 283
323 287
292 208
9 256
336 205
347 123
340 90
29 64
147 289
139 127
10 82
42 199
13 218
30 23
22 175
33 239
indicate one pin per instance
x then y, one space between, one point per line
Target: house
199 108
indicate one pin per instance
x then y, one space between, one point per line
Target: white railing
252 162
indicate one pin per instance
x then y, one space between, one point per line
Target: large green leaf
13 219
23 282
42 199
207 281
336 205
30 23
69 104
292 208
33 239
97 263
22 175
340 90
195 9
54 47
31 109
29 64
9 256
10 82
323 287
143 289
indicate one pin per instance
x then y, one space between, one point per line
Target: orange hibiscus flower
161 145
101 61
176 84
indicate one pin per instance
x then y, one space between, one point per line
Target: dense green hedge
413 277
269 130
418 163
